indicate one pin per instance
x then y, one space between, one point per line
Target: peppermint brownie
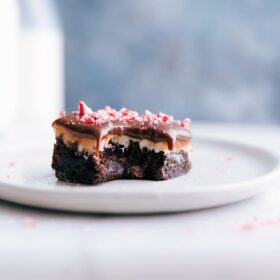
93 147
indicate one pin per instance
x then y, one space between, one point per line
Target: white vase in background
9 43
41 64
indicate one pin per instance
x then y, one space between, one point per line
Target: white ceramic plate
222 173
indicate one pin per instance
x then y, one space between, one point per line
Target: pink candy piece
89 121
83 108
247 227
186 123
30 223
229 158
62 114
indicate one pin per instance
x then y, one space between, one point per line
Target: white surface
223 172
209 244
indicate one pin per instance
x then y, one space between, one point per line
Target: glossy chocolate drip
157 133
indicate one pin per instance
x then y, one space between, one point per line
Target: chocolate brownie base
116 162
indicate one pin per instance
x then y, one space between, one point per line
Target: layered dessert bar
93 147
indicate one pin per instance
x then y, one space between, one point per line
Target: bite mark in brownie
116 162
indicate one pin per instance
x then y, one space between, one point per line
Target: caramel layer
93 145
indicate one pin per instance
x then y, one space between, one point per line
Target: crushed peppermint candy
186 123
84 109
62 114
125 116
30 223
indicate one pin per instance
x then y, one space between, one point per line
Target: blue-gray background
210 60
